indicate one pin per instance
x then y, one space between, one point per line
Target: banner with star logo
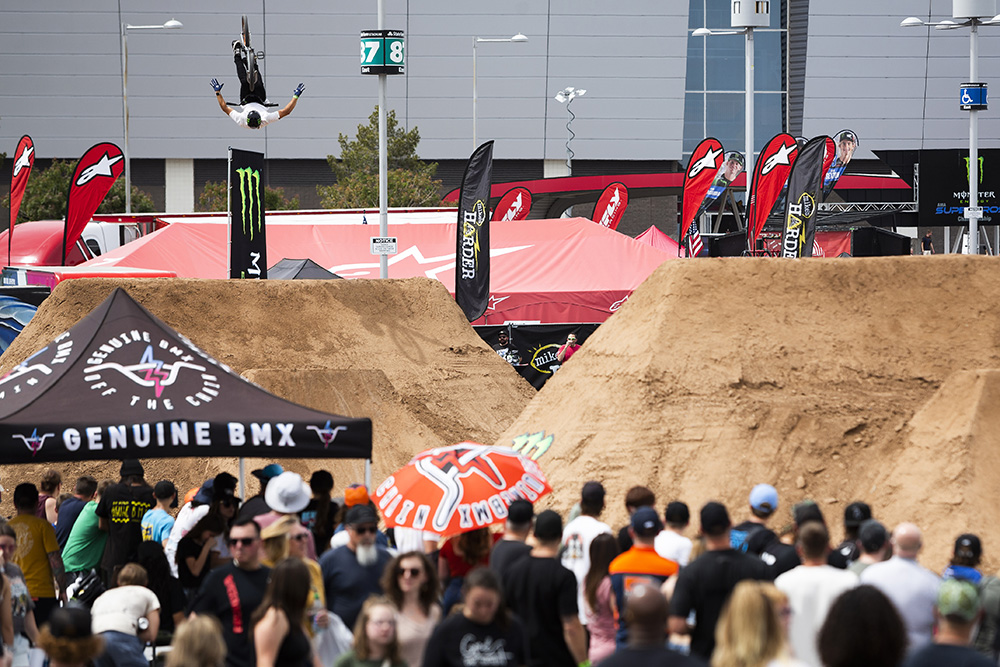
93 177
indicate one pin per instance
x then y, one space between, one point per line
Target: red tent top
562 270
659 240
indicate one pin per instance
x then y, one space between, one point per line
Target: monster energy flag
805 184
247 241
472 260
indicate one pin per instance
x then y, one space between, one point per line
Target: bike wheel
246 32
252 72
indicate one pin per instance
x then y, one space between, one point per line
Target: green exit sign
383 52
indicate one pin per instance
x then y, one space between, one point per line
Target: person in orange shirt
639 565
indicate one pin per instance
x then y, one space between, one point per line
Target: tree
213 198
411 181
45 196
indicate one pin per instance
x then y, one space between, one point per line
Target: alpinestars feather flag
472 252
847 143
804 187
93 177
24 159
774 164
701 172
611 206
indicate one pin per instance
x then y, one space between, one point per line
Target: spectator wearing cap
158 522
352 572
37 553
543 593
636 497
873 546
704 586
671 542
957 609
120 513
964 565
83 492
783 557
854 515
753 535
640 564
811 589
579 533
256 505
910 586
513 545
355 494
287 495
647 617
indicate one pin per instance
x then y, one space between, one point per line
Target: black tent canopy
122 384
299 269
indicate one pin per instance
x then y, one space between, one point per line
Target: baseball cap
807 510
520 512
548 526
131 467
360 514
847 135
764 498
677 512
205 493
646 522
958 598
356 494
269 471
592 493
856 513
164 490
872 535
968 546
714 518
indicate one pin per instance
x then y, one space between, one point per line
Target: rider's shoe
237 46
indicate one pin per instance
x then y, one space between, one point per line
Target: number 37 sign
382 52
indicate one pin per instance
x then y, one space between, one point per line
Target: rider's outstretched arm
217 87
291 105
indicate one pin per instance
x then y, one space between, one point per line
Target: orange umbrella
452 490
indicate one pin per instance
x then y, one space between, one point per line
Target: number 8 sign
382 52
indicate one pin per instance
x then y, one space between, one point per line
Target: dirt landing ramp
397 351
719 374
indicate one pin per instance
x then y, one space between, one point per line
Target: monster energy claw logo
982 166
252 206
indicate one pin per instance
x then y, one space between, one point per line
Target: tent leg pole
242 478
368 475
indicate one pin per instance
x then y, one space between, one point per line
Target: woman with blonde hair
198 643
287 538
750 632
375 640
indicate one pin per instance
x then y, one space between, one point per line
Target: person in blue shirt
158 522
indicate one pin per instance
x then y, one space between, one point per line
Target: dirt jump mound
397 351
720 374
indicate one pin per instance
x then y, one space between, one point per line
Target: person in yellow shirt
37 553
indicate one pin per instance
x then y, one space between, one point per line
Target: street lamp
565 96
172 24
518 38
744 17
972 13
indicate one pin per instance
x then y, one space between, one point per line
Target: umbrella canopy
452 490
122 384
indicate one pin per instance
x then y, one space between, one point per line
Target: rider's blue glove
216 86
298 90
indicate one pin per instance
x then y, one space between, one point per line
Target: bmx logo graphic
34 441
450 465
252 211
326 434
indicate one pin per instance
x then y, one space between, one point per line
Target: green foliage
411 181
213 198
45 196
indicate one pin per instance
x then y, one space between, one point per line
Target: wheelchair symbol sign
966 97
972 96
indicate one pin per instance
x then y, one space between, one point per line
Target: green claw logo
252 207
533 445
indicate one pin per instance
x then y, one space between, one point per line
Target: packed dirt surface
397 351
835 380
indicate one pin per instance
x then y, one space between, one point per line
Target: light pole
972 13
172 24
518 38
566 96
744 17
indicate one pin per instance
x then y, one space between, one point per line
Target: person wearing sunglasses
352 572
287 538
411 583
233 591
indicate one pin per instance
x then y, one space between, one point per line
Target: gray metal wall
60 76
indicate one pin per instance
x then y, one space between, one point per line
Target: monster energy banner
805 184
532 348
472 258
944 186
247 241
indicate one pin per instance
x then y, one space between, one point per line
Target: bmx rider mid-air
253 99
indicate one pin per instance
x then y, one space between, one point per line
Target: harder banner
472 249
247 229
93 177
804 187
847 143
774 164
702 167
514 205
24 159
611 206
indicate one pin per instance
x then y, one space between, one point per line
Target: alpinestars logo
252 211
709 161
34 441
472 221
23 160
100 168
781 157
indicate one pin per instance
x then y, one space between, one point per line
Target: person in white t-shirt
254 113
126 617
578 535
812 588
671 543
